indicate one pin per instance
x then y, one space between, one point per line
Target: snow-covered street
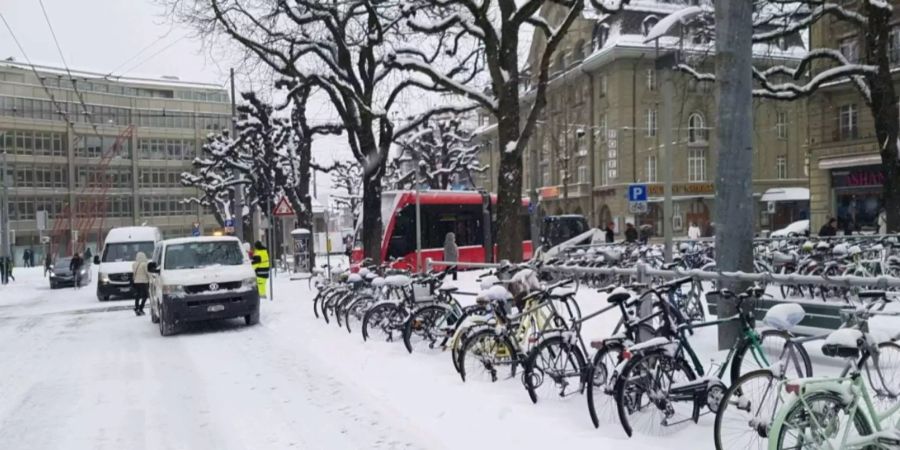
80 374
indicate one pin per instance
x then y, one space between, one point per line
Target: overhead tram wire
141 62
59 110
139 53
78 95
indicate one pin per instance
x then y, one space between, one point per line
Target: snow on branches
442 152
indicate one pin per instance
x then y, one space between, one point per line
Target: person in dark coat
26 257
631 234
87 254
829 229
75 266
451 252
610 234
48 261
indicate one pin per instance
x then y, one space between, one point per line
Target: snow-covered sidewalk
80 374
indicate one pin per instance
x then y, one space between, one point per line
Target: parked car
798 228
201 278
119 250
61 274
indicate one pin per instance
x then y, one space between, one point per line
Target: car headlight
173 289
249 283
103 278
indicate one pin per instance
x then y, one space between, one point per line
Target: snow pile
495 293
784 316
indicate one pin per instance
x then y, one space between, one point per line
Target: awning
785 194
849 161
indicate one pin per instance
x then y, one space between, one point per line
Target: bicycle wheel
600 398
884 383
426 328
356 311
745 413
820 421
642 394
382 323
776 347
554 367
487 356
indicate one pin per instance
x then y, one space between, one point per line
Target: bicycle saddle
785 316
844 343
618 295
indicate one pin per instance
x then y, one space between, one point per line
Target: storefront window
857 197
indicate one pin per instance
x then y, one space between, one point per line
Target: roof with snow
88 75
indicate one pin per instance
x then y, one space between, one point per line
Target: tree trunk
884 110
734 128
509 192
371 212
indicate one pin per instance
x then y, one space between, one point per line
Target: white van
201 278
119 250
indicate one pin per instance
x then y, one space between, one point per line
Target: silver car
61 275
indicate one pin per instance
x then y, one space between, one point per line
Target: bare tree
338 48
442 151
347 179
869 71
216 174
488 32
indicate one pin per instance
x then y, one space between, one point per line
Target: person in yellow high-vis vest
261 267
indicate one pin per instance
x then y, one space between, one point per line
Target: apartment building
600 131
845 168
81 145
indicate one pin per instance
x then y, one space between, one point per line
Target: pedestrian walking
631 234
829 229
75 266
9 268
882 222
451 253
693 232
26 258
88 255
48 261
4 276
610 234
140 282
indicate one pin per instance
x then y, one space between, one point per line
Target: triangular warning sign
284 208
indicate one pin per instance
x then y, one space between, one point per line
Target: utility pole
734 133
238 206
664 65
4 212
534 199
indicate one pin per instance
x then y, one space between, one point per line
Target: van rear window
126 251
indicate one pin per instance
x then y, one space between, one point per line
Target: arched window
696 129
600 34
649 22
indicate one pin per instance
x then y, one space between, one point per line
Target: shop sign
658 190
549 192
857 177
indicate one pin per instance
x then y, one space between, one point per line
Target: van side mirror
97 259
256 259
152 267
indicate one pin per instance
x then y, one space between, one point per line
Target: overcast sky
130 37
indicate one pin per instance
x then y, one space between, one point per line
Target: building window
603 85
677 218
696 129
848 122
894 45
604 173
582 174
696 164
651 79
601 128
781 124
651 169
781 168
650 122
849 47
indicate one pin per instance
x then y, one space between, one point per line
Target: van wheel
165 328
153 317
252 319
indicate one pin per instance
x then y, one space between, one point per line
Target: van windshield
202 254
126 251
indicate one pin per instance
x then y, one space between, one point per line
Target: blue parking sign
637 192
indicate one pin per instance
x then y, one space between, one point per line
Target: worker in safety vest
261 266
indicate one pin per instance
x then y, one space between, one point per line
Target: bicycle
746 409
836 413
663 372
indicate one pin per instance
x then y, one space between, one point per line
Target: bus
461 212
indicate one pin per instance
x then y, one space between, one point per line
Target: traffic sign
638 207
637 192
229 226
283 208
